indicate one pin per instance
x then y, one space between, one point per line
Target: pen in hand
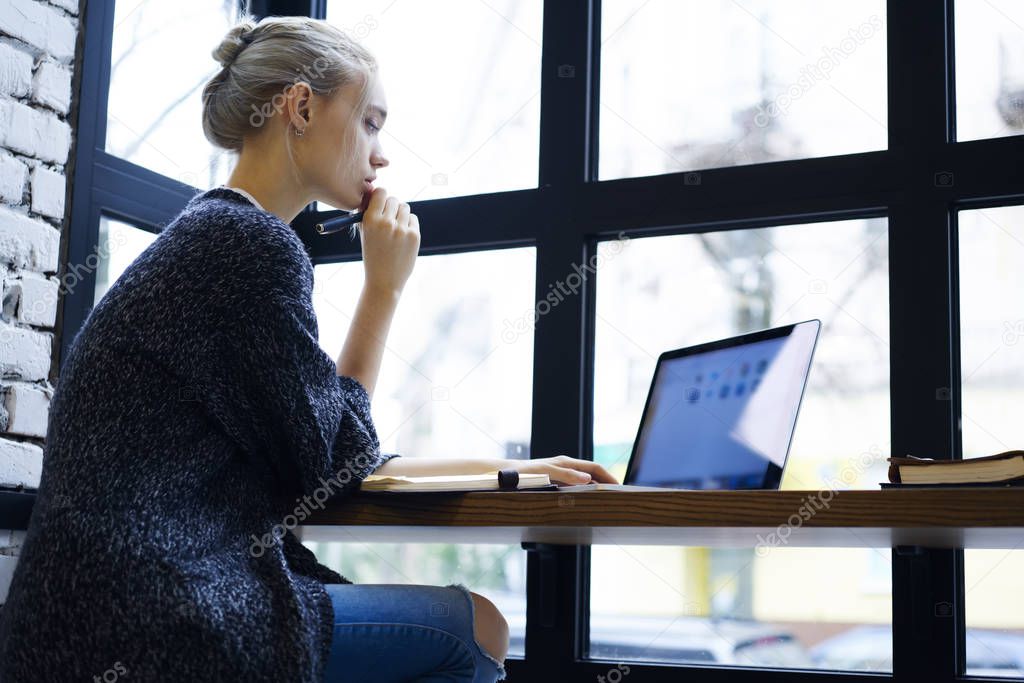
338 223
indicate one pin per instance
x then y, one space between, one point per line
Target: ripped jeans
397 632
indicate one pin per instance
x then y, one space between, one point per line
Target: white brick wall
26 406
51 86
13 173
15 71
20 463
37 62
40 25
48 192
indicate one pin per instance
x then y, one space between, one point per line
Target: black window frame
572 211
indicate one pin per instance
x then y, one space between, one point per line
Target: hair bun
234 42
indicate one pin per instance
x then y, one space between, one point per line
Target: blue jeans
398 633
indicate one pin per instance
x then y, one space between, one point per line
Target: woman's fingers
391 207
568 475
389 241
598 472
562 468
377 200
402 217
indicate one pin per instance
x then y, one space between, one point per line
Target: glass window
154 113
692 85
736 606
456 381
119 245
991 247
462 83
989 69
994 609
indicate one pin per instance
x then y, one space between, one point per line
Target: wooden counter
937 518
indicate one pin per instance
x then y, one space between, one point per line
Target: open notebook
498 480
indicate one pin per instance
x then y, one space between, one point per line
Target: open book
498 480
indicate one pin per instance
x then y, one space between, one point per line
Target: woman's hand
562 469
390 240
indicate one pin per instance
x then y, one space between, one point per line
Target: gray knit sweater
196 421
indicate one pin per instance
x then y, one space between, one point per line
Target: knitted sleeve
271 386
301 560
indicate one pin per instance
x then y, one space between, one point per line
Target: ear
299 97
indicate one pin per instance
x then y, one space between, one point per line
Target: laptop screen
721 415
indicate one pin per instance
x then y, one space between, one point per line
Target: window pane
991 248
736 606
453 383
118 245
994 606
462 82
154 113
989 69
792 608
691 85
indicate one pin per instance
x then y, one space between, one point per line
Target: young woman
196 414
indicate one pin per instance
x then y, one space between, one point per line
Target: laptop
721 415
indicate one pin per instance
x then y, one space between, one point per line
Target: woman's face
339 164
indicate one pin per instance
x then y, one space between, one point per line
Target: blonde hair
261 59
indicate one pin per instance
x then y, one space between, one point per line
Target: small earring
300 133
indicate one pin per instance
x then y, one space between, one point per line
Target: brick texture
37 65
